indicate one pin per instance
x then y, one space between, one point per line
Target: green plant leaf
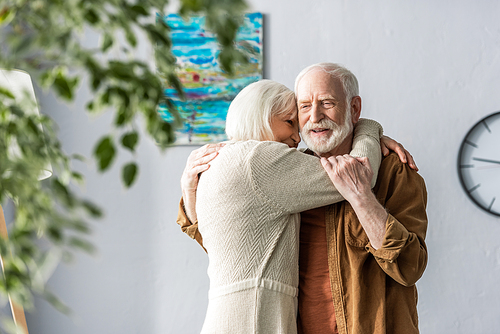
63 192
124 115
92 209
130 36
121 70
78 157
82 244
129 174
65 86
77 177
6 92
105 153
91 16
140 9
7 15
107 42
130 140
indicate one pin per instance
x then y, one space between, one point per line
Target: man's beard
327 144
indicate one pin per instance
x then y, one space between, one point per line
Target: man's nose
316 114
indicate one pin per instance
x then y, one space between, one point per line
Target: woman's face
285 128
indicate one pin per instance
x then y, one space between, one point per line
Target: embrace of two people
324 240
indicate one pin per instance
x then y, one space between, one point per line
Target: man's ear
356 109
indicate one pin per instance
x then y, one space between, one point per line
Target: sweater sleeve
366 143
288 179
293 181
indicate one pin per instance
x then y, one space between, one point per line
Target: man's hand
198 162
351 176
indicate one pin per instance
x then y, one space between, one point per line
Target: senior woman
248 206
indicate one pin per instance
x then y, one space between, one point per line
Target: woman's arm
366 143
367 135
198 162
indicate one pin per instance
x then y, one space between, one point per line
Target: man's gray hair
348 80
249 115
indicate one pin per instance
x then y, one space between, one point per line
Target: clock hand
486 160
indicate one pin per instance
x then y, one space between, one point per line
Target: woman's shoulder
255 146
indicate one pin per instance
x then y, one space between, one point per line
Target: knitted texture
248 205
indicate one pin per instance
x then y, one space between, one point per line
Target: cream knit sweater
248 206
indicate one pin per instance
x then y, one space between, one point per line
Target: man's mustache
323 124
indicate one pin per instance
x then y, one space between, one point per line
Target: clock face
479 164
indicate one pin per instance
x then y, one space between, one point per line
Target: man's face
324 117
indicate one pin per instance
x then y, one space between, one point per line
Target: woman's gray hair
348 80
249 115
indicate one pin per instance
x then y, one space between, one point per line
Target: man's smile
320 130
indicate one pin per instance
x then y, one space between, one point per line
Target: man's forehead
316 89
320 85
321 97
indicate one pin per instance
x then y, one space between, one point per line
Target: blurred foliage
46 38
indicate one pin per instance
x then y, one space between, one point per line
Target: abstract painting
209 91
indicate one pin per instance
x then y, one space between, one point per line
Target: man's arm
403 254
188 227
397 241
352 176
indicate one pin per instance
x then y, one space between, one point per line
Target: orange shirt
316 311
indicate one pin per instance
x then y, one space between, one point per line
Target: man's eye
327 104
304 106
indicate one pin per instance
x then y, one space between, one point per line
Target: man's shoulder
390 160
392 167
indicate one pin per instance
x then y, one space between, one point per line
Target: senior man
359 259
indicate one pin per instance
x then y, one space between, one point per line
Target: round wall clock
479 164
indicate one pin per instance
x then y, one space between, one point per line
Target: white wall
428 71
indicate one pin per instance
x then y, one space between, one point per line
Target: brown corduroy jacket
374 291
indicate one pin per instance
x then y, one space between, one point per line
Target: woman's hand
198 162
388 144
